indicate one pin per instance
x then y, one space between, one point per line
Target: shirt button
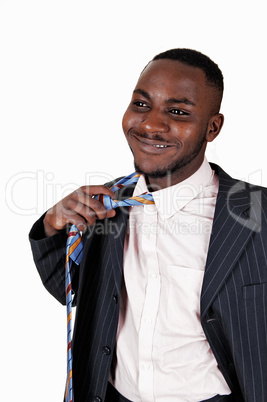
150 208
97 399
148 321
106 350
153 276
146 366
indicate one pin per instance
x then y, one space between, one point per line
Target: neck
172 178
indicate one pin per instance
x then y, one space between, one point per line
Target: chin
153 172
192 161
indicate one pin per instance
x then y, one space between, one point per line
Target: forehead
173 77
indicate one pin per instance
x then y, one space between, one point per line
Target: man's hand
78 208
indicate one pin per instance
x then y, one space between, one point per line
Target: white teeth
160 146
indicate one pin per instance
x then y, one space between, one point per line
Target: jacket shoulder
235 190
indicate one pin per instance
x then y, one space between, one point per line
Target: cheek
125 121
191 133
129 120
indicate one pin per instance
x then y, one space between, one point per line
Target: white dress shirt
162 352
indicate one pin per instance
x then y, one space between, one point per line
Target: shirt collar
171 199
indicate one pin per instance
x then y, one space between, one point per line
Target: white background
67 70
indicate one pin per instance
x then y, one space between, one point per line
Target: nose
154 122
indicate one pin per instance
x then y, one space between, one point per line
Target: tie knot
109 203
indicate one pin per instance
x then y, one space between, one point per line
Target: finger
111 213
89 208
95 190
80 221
84 204
81 199
88 215
82 224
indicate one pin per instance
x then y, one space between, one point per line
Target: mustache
154 137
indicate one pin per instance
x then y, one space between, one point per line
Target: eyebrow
142 92
170 100
181 100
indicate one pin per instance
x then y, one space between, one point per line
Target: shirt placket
151 304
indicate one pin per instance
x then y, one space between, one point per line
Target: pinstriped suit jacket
233 300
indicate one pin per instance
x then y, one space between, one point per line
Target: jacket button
106 350
97 399
115 298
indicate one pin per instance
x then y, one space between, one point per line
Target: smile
150 145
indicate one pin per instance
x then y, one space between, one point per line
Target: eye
140 104
178 112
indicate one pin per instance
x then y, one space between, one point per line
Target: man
171 297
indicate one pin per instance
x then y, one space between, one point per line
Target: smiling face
169 121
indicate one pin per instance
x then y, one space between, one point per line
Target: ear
214 126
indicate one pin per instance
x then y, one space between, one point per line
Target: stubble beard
174 167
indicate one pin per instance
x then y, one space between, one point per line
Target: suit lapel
234 224
117 230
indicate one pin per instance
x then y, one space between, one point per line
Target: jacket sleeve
49 254
49 258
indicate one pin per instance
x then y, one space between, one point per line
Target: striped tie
74 252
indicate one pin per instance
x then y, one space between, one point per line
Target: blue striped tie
74 252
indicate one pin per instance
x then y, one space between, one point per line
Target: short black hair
194 58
